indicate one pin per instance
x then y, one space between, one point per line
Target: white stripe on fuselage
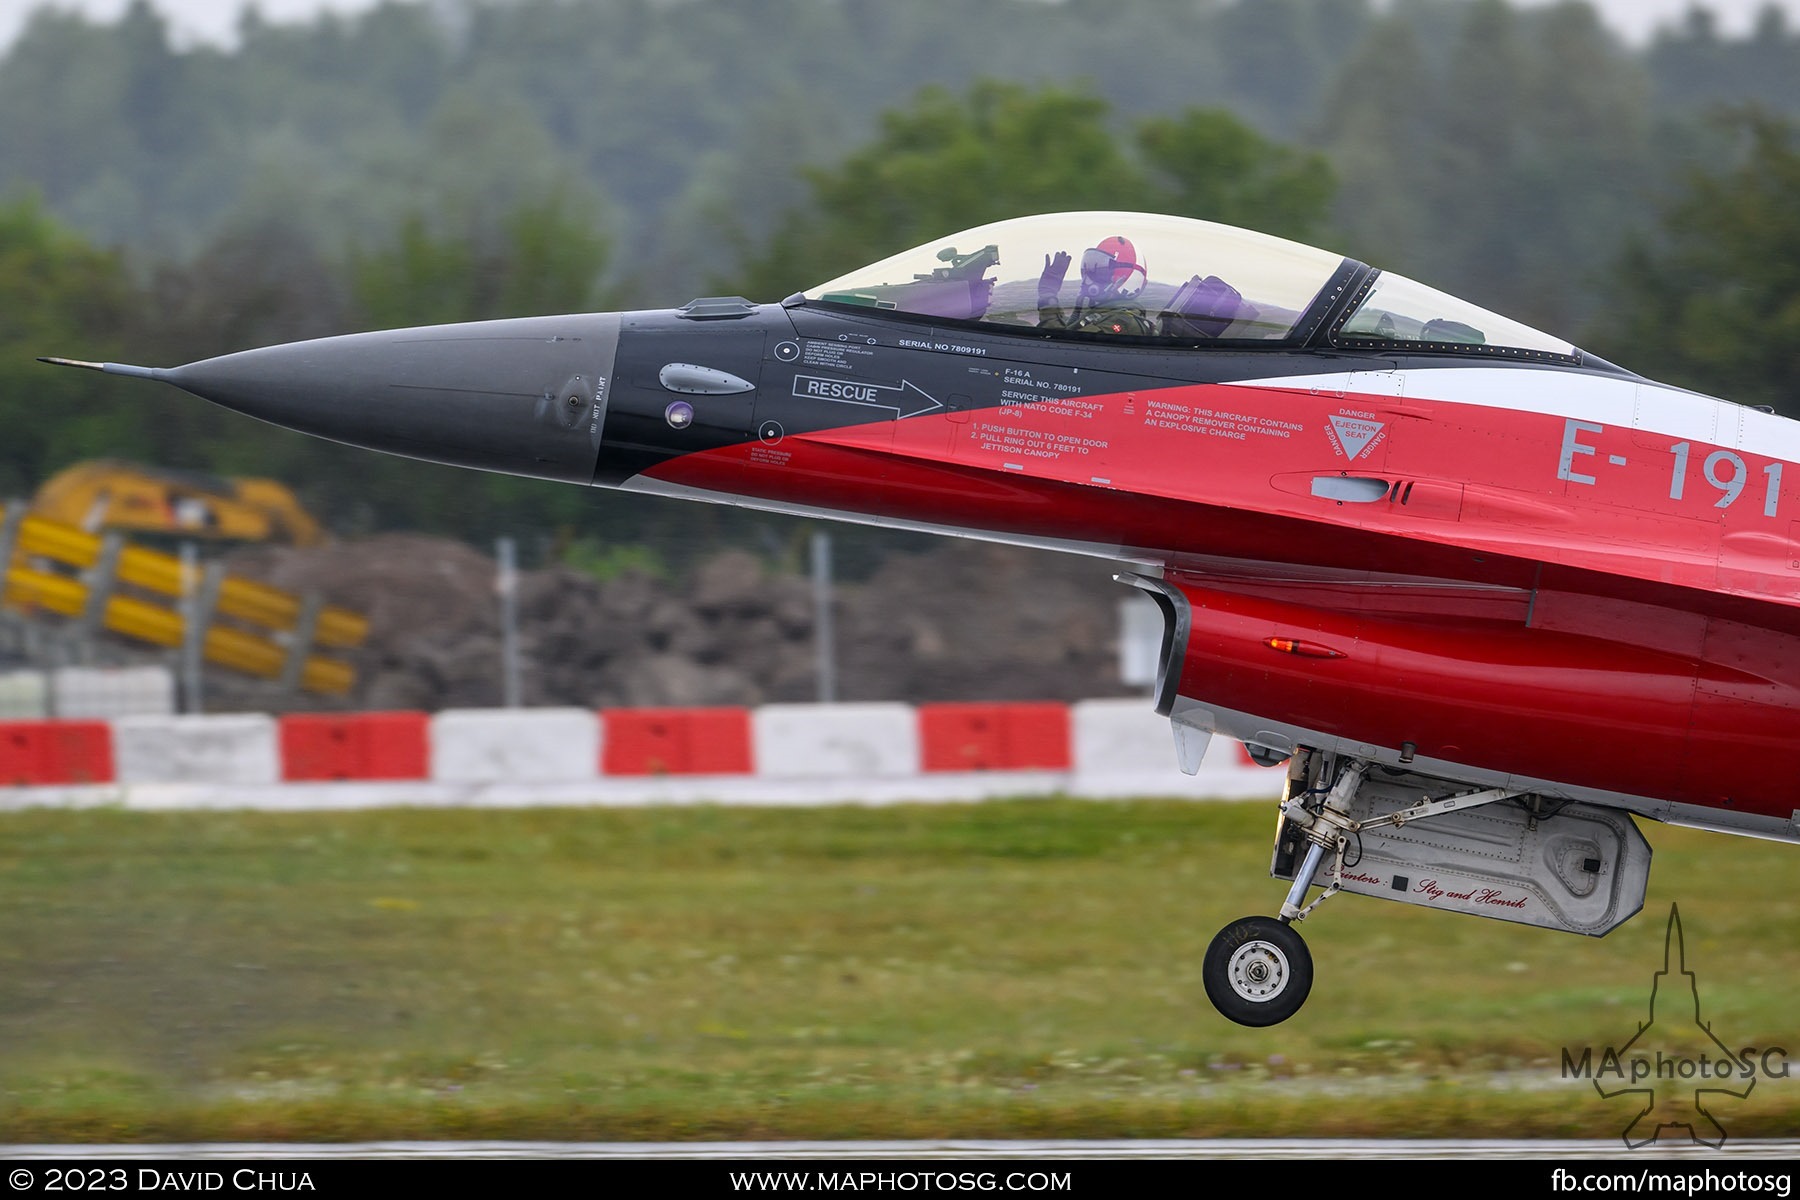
1606 399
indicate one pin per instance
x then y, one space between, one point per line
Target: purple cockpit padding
1210 305
951 299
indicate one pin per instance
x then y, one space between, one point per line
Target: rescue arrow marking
870 395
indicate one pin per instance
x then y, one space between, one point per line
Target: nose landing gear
1257 971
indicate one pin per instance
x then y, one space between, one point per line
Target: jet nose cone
523 396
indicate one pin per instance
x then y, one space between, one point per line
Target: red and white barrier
55 752
777 754
227 749
994 737
676 741
317 747
520 745
837 741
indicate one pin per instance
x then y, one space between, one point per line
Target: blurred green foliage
951 161
1710 299
537 259
1503 166
607 560
55 290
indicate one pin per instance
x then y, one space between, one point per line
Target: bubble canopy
1168 278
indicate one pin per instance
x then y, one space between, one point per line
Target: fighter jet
1480 595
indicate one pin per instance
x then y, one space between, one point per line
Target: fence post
824 635
9 534
506 583
306 628
100 580
197 614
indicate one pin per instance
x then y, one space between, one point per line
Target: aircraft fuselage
1520 571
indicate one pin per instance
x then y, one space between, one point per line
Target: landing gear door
1577 868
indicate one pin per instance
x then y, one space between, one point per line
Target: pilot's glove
1051 281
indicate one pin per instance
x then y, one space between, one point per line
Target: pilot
1111 279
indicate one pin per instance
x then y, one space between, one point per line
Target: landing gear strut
1257 970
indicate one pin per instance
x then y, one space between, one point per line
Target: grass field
1016 968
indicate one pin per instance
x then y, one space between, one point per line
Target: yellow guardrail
29 588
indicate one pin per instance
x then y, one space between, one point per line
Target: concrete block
24 696
105 692
1124 736
676 741
515 745
35 753
317 747
227 748
1123 748
990 736
822 741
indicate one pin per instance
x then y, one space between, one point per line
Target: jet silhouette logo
1675 1068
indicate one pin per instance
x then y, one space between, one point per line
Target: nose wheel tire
1257 971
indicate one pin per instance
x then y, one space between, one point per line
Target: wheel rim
1258 971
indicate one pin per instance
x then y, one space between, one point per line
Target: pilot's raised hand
1051 281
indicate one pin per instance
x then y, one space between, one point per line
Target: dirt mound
966 621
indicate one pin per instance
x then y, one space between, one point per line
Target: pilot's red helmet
1112 269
